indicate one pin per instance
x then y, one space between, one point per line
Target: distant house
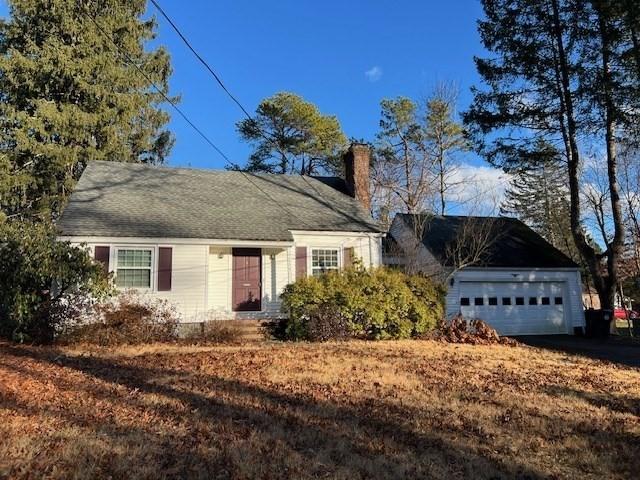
590 298
497 269
221 244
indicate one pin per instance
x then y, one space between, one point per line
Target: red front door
247 279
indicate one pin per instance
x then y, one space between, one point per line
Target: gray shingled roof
135 200
514 244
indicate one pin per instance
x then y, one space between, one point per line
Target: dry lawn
414 409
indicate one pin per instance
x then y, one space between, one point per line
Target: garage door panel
515 308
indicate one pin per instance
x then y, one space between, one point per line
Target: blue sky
321 50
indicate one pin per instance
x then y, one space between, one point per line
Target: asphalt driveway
612 349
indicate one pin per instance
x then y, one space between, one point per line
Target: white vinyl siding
202 272
188 282
188 277
275 276
365 248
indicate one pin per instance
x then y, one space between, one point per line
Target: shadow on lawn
617 403
610 349
234 429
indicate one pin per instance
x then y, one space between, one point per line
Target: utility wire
158 89
132 62
218 79
202 60
236 101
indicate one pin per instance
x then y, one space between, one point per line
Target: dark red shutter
101 254
347 257
165 255
301 262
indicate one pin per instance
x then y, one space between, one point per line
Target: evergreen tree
445 137
68 96
290 135
538 195
416 150
402 164
564 72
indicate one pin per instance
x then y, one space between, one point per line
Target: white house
514 280
221 244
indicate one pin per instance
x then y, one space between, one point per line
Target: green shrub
327 322
376 304
43 283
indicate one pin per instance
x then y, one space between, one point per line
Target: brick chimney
356 168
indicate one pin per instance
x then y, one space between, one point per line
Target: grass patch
405 409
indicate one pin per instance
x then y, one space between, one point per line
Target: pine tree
290 135
538 196
69 96
564 72
445 137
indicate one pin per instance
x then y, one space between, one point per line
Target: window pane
545 301
464 301
533 300
323 260
478 301
557 300
493 300
519 300
506 300
137 278
134 258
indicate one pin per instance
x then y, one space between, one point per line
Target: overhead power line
202 60
217 78
131 62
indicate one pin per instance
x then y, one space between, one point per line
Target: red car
621 313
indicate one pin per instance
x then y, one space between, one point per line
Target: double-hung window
133 267
323 260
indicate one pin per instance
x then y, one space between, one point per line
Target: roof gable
514 244
136 200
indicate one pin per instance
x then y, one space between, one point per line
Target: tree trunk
614 250
442 183
602 284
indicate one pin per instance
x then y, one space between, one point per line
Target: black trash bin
604 323
598 323
636 327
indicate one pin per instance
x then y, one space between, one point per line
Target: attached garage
516 308
522 285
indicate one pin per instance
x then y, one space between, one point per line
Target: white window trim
153 269
310 258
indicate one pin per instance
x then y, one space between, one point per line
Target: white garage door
516 308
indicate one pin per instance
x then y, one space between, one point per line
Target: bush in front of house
128 319
375 304
44 283
213 332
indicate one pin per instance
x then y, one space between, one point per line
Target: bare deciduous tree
416 163
473 243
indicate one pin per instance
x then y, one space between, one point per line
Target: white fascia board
174 241
337 233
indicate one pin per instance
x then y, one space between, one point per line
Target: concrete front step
246 330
